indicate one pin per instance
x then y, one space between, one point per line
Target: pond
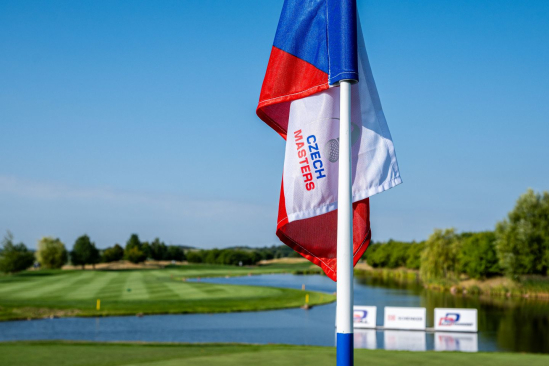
518 325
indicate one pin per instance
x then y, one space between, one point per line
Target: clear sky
139 116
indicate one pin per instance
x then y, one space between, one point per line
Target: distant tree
378 255
133 242
194 257
413 260
84 252
175 253
135 255
522 240
51 253
133 251
113 254
212 256
477 257
146 249
439 258
158 250
14 257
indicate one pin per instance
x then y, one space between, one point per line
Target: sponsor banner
400 340
404 318
365 338
463 342
456 320
364 316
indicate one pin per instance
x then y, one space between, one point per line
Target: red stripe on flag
287 78
316 238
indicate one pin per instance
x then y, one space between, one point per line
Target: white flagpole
344 312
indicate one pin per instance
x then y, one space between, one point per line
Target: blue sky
139 116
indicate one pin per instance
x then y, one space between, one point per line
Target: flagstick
344 312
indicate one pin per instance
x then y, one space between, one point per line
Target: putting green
75 293
116 354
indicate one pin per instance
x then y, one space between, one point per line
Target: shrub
51 253
14 257
113 254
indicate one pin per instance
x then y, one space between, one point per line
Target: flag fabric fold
318 43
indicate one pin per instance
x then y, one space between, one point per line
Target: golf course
118 354
60 293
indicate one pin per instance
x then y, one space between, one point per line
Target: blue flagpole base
345 349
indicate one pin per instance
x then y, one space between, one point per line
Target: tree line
53 254
240 255
519 245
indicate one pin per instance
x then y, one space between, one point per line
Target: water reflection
510 324
463 342
505 324
365 338
404 340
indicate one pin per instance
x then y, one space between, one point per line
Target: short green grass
118 354
39 294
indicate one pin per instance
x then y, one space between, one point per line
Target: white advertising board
364 316
404 340
404 318
463 342
456 320
365 338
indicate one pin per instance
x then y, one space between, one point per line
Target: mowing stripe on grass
26 282
43 290
114 288
91 288
157 288
135 288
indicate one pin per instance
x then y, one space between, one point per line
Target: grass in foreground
165 291
118 354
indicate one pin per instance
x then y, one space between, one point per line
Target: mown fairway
98 354
74 293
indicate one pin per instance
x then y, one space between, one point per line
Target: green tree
439 258
133 242
522 240
135 255
113 254
477 257
413 260
14 257
51 253
84 252
175 253
146 249
158 250
133 251
195 257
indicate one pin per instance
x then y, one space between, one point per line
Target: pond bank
529 287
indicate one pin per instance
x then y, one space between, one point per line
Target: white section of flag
375 168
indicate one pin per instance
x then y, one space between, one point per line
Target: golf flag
318 43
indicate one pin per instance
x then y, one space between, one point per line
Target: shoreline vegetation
530 287
511 261
53 353
147 291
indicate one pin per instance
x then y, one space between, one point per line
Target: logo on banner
360 316
452 319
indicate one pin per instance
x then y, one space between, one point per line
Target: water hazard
518 325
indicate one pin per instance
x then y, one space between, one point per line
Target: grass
118 354
162 291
